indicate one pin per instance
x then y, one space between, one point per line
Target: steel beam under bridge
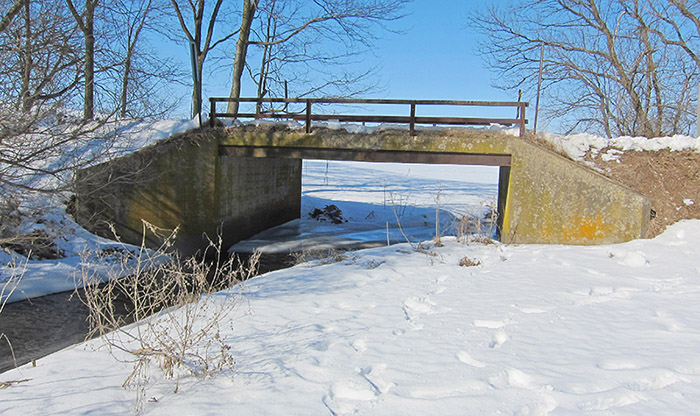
391 156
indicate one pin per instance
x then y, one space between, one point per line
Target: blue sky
434 57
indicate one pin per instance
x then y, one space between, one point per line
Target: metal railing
307 116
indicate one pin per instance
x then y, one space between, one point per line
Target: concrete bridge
240 181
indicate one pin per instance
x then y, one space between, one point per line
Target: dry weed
176 313
8 288
469 262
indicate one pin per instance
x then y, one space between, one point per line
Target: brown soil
665 177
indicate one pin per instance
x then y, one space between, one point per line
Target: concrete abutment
184 183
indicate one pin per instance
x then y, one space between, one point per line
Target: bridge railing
307 115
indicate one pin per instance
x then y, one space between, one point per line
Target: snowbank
577 145
388 331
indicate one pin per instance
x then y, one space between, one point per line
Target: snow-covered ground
533 330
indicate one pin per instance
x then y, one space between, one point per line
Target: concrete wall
185 183
544 197
189 182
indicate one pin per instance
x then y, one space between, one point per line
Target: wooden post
212 112
308 116
412 127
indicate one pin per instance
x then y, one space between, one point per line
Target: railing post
412 126
308 116
522 119
212 112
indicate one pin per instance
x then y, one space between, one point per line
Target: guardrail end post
212 112
308 116
412 126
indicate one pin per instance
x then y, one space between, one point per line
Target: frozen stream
378 203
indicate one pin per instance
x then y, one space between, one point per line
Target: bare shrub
7 288
177 316
477 229
469 262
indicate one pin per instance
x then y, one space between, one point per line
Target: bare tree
202 34
293 36
609 66
249 9
11 13
38 57
134 74
86 23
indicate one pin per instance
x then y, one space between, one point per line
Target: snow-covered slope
391 331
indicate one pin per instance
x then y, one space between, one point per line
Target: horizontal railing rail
307 116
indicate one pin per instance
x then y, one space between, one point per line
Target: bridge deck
395 156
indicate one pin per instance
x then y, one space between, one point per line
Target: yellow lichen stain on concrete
586 229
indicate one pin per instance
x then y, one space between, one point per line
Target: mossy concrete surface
189 182
543 197
183 183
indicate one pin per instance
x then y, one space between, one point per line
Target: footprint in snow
464 357
359 345
498 339
373 375
513 377
630 259
489 324
349 396
530 309
611 400
414 308
351 390
520 380
620 364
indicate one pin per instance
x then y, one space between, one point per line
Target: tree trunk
89 105
25 99
249 8
125 85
